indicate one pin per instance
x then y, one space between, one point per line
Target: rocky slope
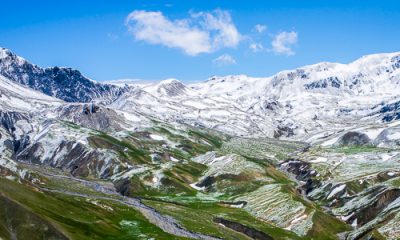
63 83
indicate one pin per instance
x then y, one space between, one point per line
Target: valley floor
197 184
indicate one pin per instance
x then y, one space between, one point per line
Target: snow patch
156 137
336 190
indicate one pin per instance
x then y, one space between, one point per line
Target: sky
194 40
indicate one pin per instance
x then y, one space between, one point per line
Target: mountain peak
167 88
229 78
170 81
171 88
64 83
4 52
377 56
7 55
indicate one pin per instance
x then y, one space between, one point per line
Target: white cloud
282 43
203 32
256 47
259 28
154 28
221 27
224 60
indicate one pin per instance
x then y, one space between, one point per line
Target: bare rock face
171 88
8 119
238 227
369 212
390 111
353 139
303 172
91 116
16 141
284 131
73 157
64 83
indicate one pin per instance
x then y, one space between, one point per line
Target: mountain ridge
61 82
310 153
291 103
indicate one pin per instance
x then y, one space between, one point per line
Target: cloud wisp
202 32
259 28
256 47
224 60
282 43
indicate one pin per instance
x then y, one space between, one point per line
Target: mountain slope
14 97
166 160
63 83
291 104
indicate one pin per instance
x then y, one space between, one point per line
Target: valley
310 153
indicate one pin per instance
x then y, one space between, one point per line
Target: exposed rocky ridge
63 83
92 116
251 232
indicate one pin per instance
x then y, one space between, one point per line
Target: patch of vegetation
395 182
326 226
357 149
233 185
123 148
18 222
207 136
271 150
198 216
79 217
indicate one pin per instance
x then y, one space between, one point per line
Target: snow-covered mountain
297 102
63 83
15 97
291 104
174 144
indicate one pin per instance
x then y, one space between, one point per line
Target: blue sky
193 40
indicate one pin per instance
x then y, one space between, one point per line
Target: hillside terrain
309 153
